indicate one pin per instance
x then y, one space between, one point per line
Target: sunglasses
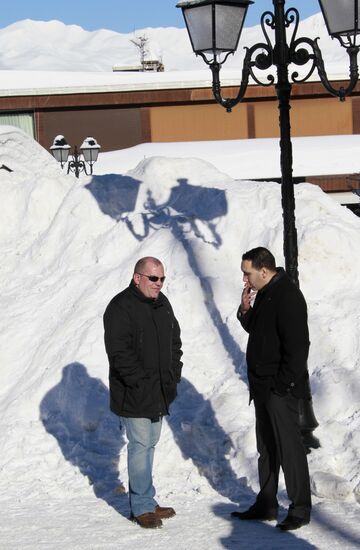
153 278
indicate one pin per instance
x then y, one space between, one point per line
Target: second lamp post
89 151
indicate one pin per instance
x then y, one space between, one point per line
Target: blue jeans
142 435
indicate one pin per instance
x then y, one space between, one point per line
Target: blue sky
123 15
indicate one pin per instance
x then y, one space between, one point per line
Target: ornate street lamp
214 27
89 149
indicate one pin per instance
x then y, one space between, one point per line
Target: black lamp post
89 150
214 27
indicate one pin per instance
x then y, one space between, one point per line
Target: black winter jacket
278 344
142 341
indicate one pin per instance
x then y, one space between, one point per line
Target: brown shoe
164 513
149 520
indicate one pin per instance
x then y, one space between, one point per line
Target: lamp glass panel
228 24
199 24
340 15
90 154
61 154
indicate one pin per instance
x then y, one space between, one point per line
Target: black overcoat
278 344
142 341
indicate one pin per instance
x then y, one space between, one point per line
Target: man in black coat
142 341
276 356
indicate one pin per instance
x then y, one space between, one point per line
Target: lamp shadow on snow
190 211
258 534
201 439
115 194
76 412
189 207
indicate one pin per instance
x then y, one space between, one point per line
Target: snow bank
70 245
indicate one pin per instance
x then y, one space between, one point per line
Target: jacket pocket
267 369
134 396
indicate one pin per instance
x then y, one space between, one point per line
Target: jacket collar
280 273
262 293
140 296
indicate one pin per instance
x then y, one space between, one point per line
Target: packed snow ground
68 246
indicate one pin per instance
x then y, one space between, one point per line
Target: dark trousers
279 443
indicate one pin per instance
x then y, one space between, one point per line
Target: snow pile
70 245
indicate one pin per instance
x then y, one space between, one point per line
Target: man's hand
246 298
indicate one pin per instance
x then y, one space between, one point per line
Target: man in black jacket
142 341
276 356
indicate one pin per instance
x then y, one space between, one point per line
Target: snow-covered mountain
49 46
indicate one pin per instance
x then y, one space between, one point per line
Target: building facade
130 115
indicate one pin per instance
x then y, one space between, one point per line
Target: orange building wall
321 117
266 119
197 123
308 117
325 116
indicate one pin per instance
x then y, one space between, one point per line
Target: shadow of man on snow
201 438
258 534
76 412
346 533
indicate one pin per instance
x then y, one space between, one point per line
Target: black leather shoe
292 522
256 513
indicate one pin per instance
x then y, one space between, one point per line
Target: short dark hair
260 257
